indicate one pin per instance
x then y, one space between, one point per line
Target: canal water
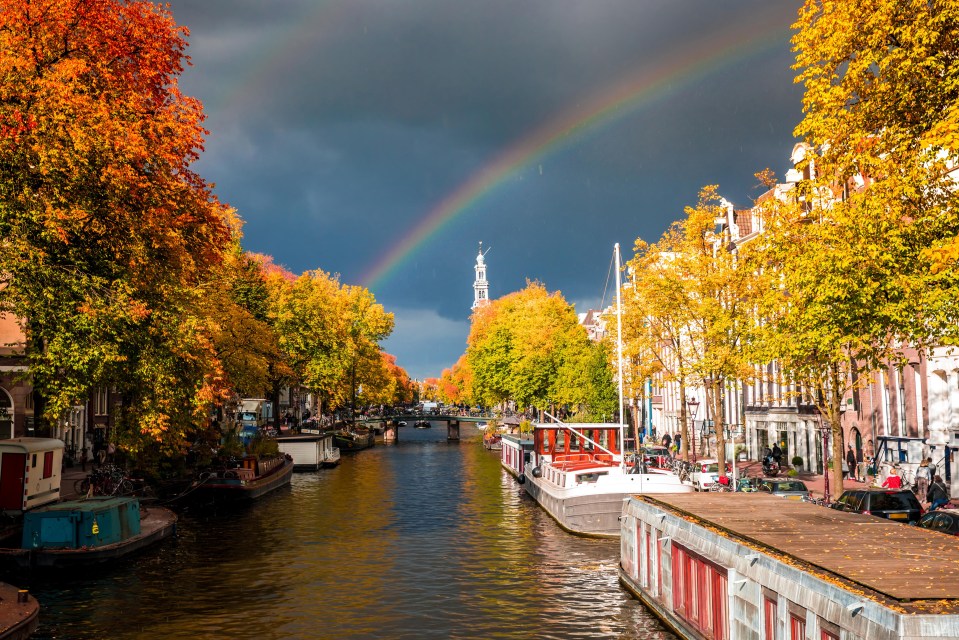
424 539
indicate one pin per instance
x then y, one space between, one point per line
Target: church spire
480 285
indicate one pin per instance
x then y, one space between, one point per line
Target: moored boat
310 450
422 424
88 532
577 474
19 614
743 566
253 479
349 441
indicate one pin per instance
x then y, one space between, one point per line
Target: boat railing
572 457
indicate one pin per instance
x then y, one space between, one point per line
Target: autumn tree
656 319
881 109
105 230
529 347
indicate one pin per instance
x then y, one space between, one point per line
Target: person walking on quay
83 459
938 495
851 463
923 476
667 441
777 454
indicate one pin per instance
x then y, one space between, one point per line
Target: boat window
47 464
33 461
589 477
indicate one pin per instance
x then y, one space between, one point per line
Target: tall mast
619 349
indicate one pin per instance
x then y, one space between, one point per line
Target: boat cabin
30 471
569 445
93 522
309 451
516 452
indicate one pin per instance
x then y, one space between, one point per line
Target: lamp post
693 405
824 431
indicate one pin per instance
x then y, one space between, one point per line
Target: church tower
480 285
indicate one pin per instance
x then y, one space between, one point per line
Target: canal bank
425 539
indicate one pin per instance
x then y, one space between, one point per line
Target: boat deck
902 562
17 619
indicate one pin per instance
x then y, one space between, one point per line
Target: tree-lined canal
420 540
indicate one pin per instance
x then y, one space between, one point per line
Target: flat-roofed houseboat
735 566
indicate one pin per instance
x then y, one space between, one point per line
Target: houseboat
734 566
253 479
310 451
515 452
578 475
88 532
29 473
19 614
348 441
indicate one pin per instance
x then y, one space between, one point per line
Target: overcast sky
547 129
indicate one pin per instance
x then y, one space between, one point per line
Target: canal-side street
421 540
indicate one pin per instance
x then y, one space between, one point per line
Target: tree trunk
718 419
835 421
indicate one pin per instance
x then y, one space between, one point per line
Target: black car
943 520
895 504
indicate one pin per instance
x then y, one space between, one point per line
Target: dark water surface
420 540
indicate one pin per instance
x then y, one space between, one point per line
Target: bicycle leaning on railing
110 480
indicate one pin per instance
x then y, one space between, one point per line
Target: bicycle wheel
125 488
81 486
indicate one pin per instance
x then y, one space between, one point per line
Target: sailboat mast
619 349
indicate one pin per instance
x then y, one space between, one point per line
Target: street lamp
693 405
824 431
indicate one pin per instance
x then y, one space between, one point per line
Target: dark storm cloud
336 126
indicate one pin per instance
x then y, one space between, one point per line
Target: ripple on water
421 540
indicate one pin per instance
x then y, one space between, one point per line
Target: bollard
23 595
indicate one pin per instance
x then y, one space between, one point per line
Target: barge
253 479
88 532
734 566
19 613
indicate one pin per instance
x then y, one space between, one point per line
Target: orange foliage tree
106 232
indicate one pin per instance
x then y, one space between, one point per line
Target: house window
797 627
699 593
769 619
828 635
100 401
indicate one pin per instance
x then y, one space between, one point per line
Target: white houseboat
29 472
310 451
735 566
577 474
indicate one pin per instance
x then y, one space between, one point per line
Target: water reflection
423 539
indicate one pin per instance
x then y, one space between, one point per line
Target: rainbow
637 90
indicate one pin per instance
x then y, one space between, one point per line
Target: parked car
895 504
706 473
792 489
943 520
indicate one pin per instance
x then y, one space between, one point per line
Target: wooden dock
902 562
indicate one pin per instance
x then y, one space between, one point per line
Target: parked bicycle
110 480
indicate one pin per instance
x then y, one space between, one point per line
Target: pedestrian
83 459
892 481
667 440
860 466
923 476
851 463
938 495
777 454
678 441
